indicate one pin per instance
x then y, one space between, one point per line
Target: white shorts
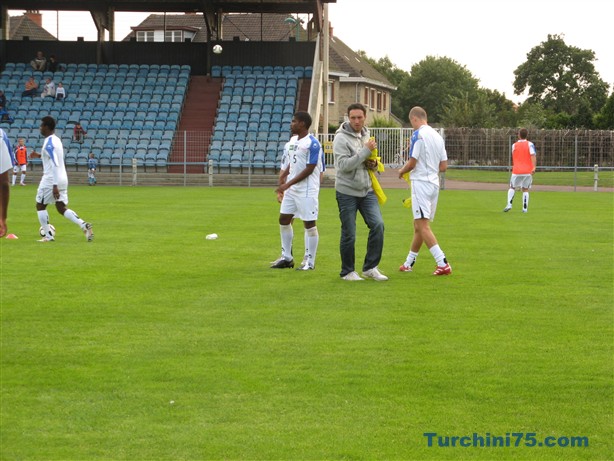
18 168
424 197
45 196
521 180
303 208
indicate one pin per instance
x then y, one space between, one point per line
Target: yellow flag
377 188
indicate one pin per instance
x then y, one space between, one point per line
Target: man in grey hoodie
352 148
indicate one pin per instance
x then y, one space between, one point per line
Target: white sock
14 178
287 235
439 255
510 197
43 219
72 216
411 259
23 179
525 200
311 245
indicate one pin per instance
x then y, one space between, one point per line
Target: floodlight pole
325 52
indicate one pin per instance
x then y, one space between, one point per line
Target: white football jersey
54 171
303 152
6 153
428 148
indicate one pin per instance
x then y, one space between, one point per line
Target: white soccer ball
217 49
41 231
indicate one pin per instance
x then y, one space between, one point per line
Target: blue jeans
371 213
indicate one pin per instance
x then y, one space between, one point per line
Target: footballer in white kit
6 163
300 192
53 187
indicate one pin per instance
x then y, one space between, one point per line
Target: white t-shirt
54 171
303 152
6 153
428 148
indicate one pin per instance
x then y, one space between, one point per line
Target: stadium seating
256 105
99 96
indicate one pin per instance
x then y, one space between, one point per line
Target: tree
562 78
469 112
605 118
433 81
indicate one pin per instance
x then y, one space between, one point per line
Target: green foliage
153 343
563 79
434 81
383 122
604 119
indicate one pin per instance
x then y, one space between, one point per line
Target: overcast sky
490 38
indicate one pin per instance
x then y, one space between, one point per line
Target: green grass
542 178
98 339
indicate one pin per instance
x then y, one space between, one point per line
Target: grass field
542 178
152 343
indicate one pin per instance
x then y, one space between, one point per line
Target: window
379 101
145 36
385 102
173 36
372 98
366 101
331 92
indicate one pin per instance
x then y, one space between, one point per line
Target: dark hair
357 106
304 117
49 122
523 133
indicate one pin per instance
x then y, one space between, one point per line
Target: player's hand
371 164
280 196
35 154
56 192
371 144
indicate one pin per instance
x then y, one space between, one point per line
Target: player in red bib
524 163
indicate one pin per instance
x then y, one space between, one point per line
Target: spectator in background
49 89
53 65
78 133
31 87
60 92
4 113
39 62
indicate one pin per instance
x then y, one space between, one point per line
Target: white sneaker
507 208
375 274
89 233
352 277
46 239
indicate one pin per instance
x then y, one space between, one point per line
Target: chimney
330 30
35 16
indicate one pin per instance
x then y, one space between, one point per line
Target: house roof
23 26
256 27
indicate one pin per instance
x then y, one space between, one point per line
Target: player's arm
283 176
298 178
35 154
534 161
443 166
409 166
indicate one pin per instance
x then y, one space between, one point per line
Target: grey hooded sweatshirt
350 153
